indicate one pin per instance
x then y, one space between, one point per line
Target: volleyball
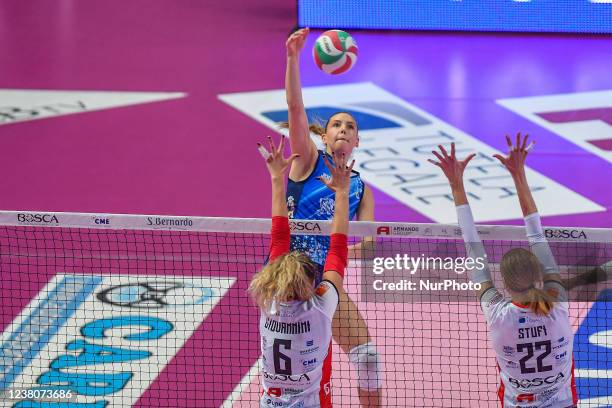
335 52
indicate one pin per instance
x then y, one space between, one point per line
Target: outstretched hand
296 41
450 165
515 161
340 174
277 164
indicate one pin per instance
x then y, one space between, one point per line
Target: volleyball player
296 315
308 199
531 332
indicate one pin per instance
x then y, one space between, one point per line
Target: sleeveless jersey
534 353
296 349
310 199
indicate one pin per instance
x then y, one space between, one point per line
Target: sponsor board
563 234
24 105
38 218
104 337
311 227
396 139
583 118
178 222
396 230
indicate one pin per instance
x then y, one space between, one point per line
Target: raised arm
453 170
277 166
515 164
340 183
299 133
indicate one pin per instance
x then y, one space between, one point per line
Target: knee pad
366 361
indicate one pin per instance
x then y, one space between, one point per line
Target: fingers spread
351 166
443 150
467 159
262 150
281 146
271 142
518 140
438 155
327 163
525 141
500 158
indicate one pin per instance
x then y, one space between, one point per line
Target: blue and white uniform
310 199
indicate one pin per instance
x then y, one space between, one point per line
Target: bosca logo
310 226
38 218
565 233
396 230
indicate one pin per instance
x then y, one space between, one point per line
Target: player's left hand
340 173
450 165
515 161
277 164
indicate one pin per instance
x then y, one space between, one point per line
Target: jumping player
308 199
530 333
296 315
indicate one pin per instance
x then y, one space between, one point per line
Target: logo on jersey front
536 382
309 364
310 348
298 378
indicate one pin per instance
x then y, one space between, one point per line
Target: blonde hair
521 271
289 277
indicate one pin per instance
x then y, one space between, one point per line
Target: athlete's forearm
539 245
299 132
459 194
473 245
279 205
341 213
528 205
293 87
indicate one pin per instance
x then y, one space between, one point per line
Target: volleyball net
102 310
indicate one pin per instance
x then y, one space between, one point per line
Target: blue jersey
310 199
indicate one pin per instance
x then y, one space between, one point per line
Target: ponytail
540 302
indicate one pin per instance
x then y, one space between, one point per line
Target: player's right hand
296 41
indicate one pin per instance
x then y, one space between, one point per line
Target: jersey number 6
278 357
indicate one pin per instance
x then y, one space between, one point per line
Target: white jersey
534 353
296 350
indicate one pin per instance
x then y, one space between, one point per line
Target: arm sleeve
280 237
337 255
493 303
326 298
473 245
540 248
